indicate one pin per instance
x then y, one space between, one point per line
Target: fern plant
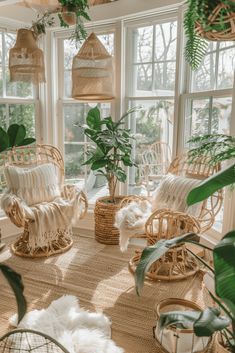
198 11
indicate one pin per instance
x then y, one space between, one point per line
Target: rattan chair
154 163
31 156
166 224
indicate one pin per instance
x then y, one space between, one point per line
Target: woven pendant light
92 72
26 60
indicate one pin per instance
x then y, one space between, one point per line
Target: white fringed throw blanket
170 194
78 330
49 219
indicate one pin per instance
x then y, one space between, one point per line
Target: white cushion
34 185
172 193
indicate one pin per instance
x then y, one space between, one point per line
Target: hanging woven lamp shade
26 60
92 72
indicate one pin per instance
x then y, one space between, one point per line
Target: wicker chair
154 163
31 156
166 224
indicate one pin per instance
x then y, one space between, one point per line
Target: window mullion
153 57
216 66
3 65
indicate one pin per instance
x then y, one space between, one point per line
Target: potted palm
210 320
109 157
207 19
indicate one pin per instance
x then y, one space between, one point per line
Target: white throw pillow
172 193
34 185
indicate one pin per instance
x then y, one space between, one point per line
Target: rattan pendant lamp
26 60
92 72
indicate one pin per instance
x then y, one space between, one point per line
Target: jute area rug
98 275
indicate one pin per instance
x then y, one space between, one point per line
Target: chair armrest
167 224
132 198
69 192
12 206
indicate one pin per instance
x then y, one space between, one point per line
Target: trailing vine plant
198 12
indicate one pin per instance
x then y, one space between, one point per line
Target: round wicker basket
214 20
218 348
174 340
105 211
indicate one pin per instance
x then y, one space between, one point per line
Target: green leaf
209 322
211 185
15 281
179 319
16 134
93 119
4 140
98 164
27 141
155 252
224 263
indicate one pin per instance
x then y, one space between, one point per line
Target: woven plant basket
213 19
105 212
218 347
69 17
174 340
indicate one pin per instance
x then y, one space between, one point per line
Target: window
207 101
152 71
76 144
17 99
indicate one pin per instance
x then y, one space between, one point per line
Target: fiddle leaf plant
15 135
112 151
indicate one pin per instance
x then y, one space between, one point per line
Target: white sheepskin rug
78 330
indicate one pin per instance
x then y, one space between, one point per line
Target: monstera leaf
15 281
224 263
209 186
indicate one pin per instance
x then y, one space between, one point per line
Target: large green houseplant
109 157
209 321
206 19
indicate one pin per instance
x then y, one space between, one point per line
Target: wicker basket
174 340
213 19
69 17
218 348
105 211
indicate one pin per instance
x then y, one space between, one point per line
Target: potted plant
73 12
210 320
206 19
15 135
112 153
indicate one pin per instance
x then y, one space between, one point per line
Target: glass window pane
164 80
74 115
3 116
143 42
142 77
165 41
153 123
108 42
221 115
204 78
23 114
74 157
226 68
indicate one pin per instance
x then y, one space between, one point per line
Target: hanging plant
207 20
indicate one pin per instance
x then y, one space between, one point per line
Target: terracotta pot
105 212
218 347
69 17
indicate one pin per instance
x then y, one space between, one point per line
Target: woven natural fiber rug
99 276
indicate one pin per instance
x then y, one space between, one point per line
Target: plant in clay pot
206 19
109 157
210 320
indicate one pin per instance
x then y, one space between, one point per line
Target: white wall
118 9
